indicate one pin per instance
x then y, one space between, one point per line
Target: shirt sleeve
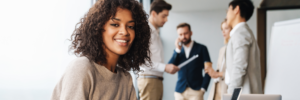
205 56
241 47
177 50
156 66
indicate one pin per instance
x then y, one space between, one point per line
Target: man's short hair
160 5
246 7
184 25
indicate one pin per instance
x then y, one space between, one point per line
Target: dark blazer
191 74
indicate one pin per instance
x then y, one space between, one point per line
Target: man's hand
172 69
208 67
177 44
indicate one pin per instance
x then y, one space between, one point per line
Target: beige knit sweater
85 80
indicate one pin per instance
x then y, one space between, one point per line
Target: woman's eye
116 25
132 27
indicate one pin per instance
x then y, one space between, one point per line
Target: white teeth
124 41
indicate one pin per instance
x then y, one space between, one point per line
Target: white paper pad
187 61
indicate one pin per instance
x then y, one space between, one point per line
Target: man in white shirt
150 78
242 52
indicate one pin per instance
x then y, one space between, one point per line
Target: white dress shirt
157 55
227 78
187 51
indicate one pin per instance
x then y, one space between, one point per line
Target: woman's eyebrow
116 19
132 21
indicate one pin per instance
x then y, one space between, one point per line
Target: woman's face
119 32
226 31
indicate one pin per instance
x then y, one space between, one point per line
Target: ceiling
202 5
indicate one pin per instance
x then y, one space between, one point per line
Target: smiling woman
112 38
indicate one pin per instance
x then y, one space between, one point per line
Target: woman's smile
122 41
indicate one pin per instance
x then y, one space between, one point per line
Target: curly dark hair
87 38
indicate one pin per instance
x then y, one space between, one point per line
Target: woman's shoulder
80 64
77 77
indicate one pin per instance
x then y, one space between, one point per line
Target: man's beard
186 42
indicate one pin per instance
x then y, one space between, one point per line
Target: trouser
189 94
150 88
220 89
218 92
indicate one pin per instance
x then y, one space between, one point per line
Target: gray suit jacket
243 62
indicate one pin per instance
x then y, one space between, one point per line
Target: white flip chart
283 67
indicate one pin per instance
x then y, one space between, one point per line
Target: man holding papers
191 84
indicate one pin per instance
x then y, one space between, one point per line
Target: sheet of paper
187 61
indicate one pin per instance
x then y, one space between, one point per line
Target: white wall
34 45
206 30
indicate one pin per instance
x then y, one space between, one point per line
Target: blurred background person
110 41
150 81
191 84
242 52
219 87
